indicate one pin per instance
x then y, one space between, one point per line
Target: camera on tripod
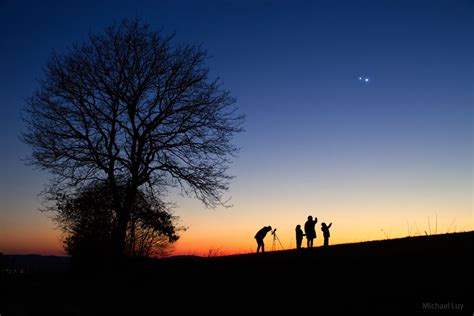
275 240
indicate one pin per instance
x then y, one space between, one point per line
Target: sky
386 158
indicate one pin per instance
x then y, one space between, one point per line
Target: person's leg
258 245
263 247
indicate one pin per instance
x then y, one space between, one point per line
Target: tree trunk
121 233
123 219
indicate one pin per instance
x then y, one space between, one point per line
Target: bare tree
129 108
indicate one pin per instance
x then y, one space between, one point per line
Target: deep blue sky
294 68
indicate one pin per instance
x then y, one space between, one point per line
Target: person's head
323 224
269 228
298 226
310 218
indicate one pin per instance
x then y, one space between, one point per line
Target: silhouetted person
310 231
326 234
260 235
299 236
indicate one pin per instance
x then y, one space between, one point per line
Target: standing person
326 234
299 236
310 231
260 236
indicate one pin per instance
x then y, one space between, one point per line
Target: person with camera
260 236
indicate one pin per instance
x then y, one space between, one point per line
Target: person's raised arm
329 225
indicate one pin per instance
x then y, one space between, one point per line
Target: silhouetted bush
89 223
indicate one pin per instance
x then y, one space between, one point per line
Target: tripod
275 239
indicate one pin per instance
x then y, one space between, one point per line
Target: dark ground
428 275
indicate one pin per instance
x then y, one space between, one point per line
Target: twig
417 231
429 225
449 227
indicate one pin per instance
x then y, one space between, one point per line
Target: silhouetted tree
130 109
88 221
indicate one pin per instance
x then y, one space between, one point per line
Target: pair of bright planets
364 79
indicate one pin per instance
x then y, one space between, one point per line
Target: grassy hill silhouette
415 274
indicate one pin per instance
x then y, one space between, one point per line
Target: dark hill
429 274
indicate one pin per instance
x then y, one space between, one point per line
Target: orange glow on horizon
225 232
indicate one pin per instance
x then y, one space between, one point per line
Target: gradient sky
386 157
